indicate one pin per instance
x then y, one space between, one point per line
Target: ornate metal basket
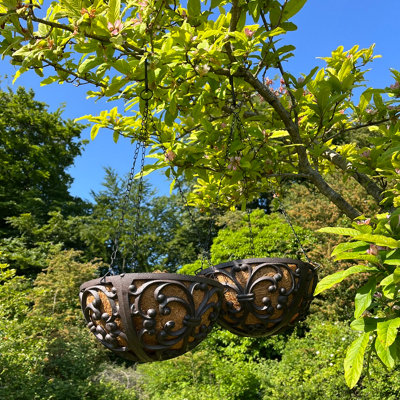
263 296
151 316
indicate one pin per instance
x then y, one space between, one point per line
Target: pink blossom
341 111
282 81
137 21
116 27
169 155
224 125
373 250
268 81
397 170
249 33
366 153
364 222
143 4
395 86
234 163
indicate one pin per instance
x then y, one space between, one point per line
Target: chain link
241 131
289 222
140 144
205 254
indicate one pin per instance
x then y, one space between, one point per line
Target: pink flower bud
395 86
169 155
249 33
373 250
364 222
268 81
366 153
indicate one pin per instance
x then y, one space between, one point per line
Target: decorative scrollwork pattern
101 311
150 317
263 296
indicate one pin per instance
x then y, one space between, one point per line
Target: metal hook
146 94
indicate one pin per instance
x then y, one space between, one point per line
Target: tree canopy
192 50
36 148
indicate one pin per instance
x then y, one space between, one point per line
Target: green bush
201 375
46 352
311 368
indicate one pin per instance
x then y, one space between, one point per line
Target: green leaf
278 134
387 280
341 247
357 256
194 8
94 131
49 80
88 64
387 331
340 231
171 186
114 10
293 7
388 355
365 99
379 240
396 275
330 280
366 324
353 363
364 297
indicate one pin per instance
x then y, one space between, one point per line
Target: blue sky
323 25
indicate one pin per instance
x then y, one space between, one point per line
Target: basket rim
119 279
268 260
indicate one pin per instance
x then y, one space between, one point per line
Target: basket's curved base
263 296
151 317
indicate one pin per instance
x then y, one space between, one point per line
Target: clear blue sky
323 25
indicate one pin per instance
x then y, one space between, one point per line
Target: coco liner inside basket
151 316
263 296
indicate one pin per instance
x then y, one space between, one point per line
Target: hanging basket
147 317
263 296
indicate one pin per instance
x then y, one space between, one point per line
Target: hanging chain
145 95
205 254
241 131
289 222
124 207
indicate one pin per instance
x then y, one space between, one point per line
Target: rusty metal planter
147 317
263 296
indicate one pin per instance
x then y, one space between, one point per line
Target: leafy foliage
36 147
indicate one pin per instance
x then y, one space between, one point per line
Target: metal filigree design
101 311
263 296
150 317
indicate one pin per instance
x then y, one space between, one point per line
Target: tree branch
102 39
339 161
355 128
304 165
